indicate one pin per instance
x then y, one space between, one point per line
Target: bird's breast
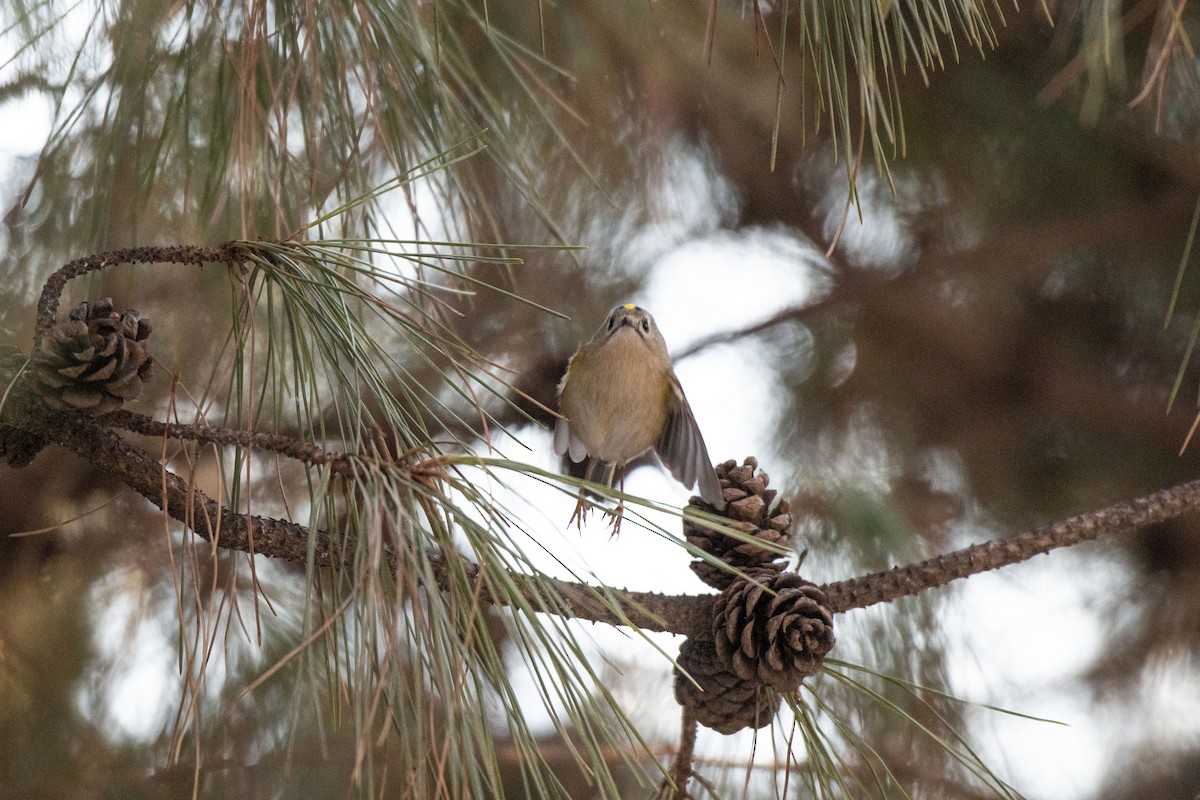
618 404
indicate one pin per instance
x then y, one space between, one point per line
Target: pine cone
94 360
749 509
723 702
776 630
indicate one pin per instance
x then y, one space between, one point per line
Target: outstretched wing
681 448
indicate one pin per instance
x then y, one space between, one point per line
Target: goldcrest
620 398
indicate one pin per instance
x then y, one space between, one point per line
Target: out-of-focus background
983 349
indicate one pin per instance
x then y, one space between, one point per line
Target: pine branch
47 307
688 614
883 587
674 785
304 452
25 426
276 538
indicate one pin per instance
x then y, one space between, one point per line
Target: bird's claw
615 518
580 512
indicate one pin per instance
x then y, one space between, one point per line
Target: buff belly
619 405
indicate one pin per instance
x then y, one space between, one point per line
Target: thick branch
689 615
883 587
684 614
206 517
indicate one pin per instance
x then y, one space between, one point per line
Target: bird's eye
612 321
645 326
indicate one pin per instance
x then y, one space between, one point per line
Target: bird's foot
615 518
580 512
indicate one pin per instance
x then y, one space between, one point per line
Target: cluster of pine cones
771 629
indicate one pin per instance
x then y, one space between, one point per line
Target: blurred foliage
985 349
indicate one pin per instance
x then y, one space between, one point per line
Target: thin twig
282 444
681 767
47 307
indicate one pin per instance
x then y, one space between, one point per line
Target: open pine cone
776 629
749 509
94 360
723 701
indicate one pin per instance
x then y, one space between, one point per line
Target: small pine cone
749 509
94 360
776 630
723 701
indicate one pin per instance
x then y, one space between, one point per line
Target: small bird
620 398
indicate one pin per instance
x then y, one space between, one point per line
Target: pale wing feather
566 442
562 437
578 449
